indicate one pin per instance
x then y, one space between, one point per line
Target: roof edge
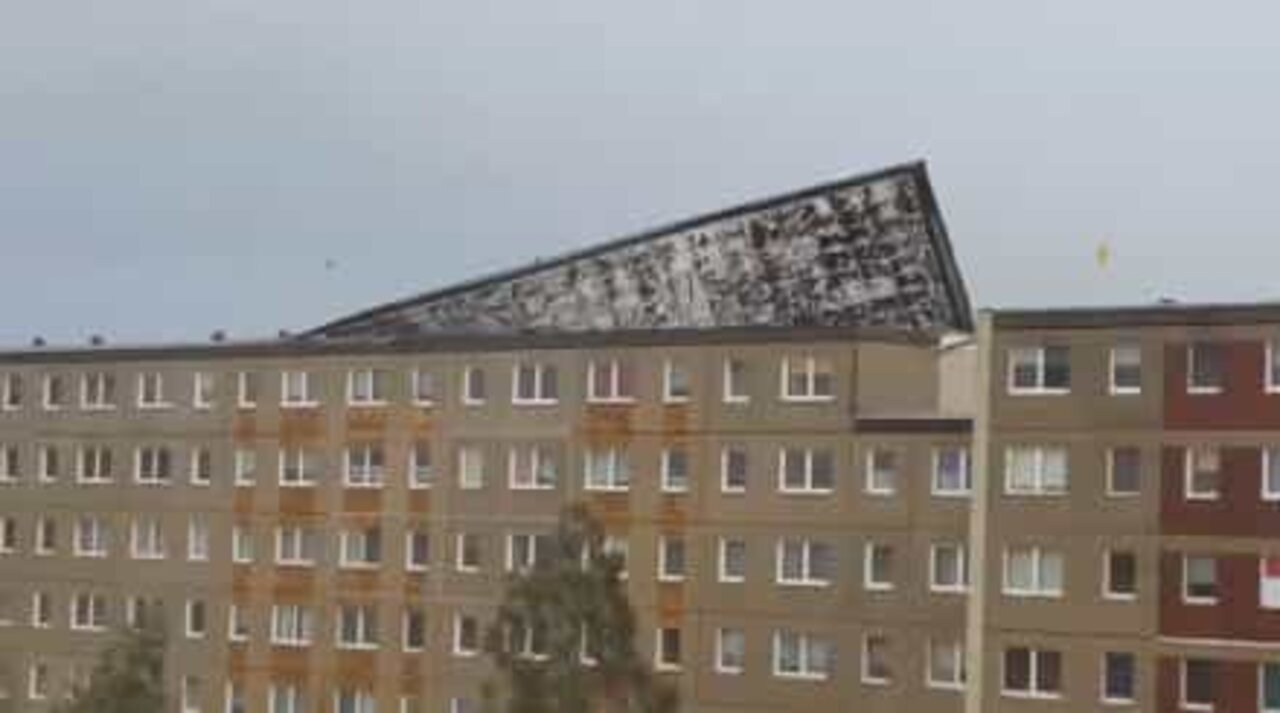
1173 314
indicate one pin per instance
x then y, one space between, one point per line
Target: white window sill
806 491
466 569
675 491
675 400
200 483
877 682
420 403
725 671
880 492
945 685
465 654
958 494
297 484
416 568
669 579
1122 495
528 487
1118 701
1201 497
804 399
245 406
1037 391
737 400
420 486
293 405
90 555
356 485
1119 597
606 489
535 402
1203 390
157 406
147 558
1035 695
375 403
356 646
1199 601
1031 594
879 587
667 667
97 408
290 644
948 589
1126 391
1184 706
245 483
732 490
152 483
242 562
805 583
473 402
799 676
359 566
79 481
612 400
298 564
730 579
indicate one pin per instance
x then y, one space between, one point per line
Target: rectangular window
1126 369
1124 471
417 551
197 538
54 392
532 468
676 386
797 655
284 699
470 468
38 681
877 566
1199 579
1269 582
88 612
535 384
732 560
425 389
1202 473
474 390
46 535
10 464
948 568
197 624
1032 673
1197 689
804 562
361 549
237 624
151 390
876 668
48 464
1120 579
296 546
671 558
951 471
668 654
366 466
733 469
524 550
1271 473
607 469
41 610
204 389
241 544
806 470
421 471
675 470
1119 677
245 467
246 390
368 387
201 466
467 552
93 465
808 379
296 390
466 635
10 392
731 651
882 471
414 629
299 467
291 625
357 626
8 535
1035 470
1269 688
610 381
146 539
735 381
98 391
189 694
1039 370
152 465
1033 572
90 537
1205 368
946 665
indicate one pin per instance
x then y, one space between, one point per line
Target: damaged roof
866 251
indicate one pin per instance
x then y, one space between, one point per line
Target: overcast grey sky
169 167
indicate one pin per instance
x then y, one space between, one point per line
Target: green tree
128 677
567 604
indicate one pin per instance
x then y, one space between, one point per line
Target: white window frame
246 382
616 367
1183 703
458 650
459 549
42 610
804 644
153 525
46 392
725 486
1111 472
416 377
865 661
96 612
292 625
374 376
404 630
468 374
1112 362
84 454
242 544
189 619
728 395
667 485
244 467
532 552
345 542
1191 370
409 564
98 539
868 570
618 478
94 391
721 667
188 694
807 578
237 625
1102 682
145 478
722 549
299 537
938 492
962 558
197 538
299 461
1188 479
159 402
540 398
956 650
1039 486
810 394
47 467
366 628
669 368
421 476
869 485
535 454
198 385
1033 675
10 463
1038 588
305 397
1039 389
1262 687
660 662
10 384
1270 385
1192 600
672 577
361 469
46 544
194 476
1108 593
290 694
809 457
38 681
471 456
1267 494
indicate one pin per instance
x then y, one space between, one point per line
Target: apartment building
1127 476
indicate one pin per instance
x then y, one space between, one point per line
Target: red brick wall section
1235 686
1243 403
1235 616
1238 512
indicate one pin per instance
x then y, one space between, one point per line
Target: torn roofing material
865 251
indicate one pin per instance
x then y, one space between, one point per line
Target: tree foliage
128 677
572 602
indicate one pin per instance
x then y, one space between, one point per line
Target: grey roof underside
866 251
